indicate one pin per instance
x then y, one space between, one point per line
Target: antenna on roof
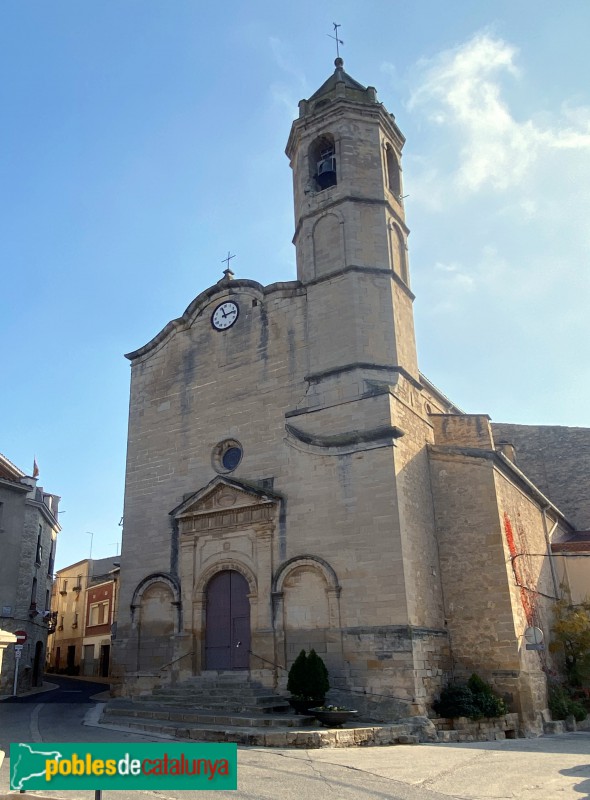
335 37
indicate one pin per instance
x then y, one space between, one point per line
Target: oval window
226 456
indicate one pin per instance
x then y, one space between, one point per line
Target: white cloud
462 90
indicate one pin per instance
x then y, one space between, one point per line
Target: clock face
225 315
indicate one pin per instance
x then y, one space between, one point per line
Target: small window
39 553
393 172
51 563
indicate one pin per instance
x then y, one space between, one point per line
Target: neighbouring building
573 559
79 636
101 607
28 538
294 481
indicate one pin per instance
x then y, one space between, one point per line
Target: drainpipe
548 535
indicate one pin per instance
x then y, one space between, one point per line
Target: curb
45 687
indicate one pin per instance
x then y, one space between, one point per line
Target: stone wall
463 729
24 577
496 574
463 430
557 460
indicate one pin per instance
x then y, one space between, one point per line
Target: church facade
294 481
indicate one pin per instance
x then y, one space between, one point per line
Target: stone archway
155 626
306 609
227 622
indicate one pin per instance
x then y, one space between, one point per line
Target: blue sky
142 140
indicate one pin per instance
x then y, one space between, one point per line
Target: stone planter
333 719
302 706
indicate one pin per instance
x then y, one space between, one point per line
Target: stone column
198 623
278 616
262 631
264 559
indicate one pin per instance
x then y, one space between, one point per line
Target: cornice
224 288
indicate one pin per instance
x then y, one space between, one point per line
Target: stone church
294 481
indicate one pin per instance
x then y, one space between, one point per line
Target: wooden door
227 640
105 653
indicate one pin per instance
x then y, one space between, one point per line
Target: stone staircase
230 707
222 692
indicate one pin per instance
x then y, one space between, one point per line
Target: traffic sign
18 647
533 635
18 654
21 636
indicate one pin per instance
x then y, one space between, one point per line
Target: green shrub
578 710
296 682
475 700
457 701
561 704
308 677
318 683
571 637
486 700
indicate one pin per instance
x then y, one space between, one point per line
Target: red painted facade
101 595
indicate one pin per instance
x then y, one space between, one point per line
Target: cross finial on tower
227 272
336 39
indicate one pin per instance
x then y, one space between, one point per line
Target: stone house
100 616
294 481
75 621
28 538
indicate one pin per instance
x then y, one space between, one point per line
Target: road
549 768
70 690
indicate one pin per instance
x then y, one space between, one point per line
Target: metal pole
16 663
98 794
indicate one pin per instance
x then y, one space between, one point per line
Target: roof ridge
12 466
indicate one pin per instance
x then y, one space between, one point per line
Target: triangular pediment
223 494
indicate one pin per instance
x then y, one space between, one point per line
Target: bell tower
350 230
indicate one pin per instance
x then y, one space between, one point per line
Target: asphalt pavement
69 690
547 768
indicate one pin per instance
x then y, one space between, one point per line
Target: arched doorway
227 637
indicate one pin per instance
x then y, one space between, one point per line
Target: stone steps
260 699
232 692
208 716
230 707
235 705
189 693
270 736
